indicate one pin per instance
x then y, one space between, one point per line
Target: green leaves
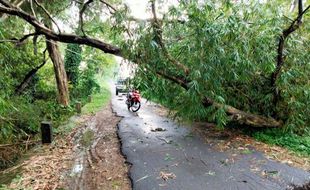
73 59
300 144
230 50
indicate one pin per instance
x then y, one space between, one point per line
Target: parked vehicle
121 86
133 100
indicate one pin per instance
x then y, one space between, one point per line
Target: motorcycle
133 101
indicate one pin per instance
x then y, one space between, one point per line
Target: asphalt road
187 161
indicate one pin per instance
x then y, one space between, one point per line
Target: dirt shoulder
98 163
87 158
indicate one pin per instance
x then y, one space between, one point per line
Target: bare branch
180 81
109 6
34 41
295 24
138 19
300 8
81 15
48 14
22 86
7 4
293 4
31 6
20 41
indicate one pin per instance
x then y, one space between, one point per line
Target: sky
138 7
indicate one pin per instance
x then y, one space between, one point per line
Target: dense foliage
21 114
231 52
73 59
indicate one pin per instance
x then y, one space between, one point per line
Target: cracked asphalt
187 161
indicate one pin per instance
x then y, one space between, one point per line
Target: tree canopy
222 61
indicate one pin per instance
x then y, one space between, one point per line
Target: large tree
159 52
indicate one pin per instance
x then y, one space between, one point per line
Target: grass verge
98 100
296 143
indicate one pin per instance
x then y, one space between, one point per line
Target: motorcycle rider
130 93
133 99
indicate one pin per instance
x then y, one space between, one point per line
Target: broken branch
19 41
109 6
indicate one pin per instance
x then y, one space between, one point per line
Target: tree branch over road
236 114
66 38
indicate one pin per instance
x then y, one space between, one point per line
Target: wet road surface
187 161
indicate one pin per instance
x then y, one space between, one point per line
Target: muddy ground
87 158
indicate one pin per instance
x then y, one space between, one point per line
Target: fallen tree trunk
243 117
235 114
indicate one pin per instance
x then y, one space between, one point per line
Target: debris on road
158 129
165 175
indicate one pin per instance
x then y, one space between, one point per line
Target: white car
121 86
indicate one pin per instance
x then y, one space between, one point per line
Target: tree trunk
60 73
243 117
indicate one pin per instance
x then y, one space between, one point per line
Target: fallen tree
236 114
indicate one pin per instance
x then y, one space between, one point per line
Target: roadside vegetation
22 112
294 142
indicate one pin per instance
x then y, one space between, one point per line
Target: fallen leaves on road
165 175
236 143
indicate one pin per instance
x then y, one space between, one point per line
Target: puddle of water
77 169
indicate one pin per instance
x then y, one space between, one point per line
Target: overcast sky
137 7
